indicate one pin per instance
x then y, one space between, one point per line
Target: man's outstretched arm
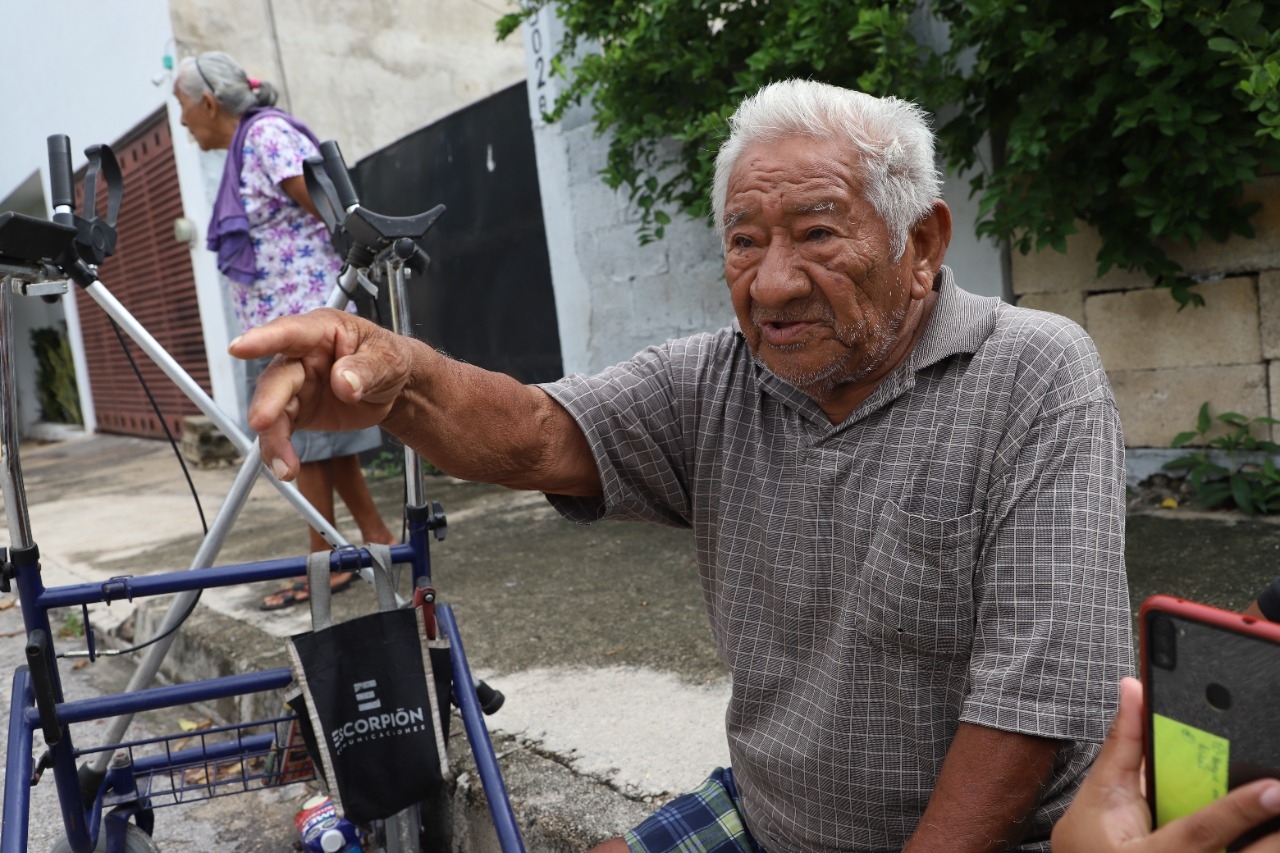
340 372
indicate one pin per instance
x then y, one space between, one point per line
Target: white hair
221 76
891 137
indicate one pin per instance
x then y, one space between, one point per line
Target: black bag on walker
373 699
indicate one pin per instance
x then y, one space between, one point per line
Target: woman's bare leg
349 480
315 482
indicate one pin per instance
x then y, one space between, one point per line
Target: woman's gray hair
891 136
217 73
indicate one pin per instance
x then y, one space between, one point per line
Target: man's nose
780 278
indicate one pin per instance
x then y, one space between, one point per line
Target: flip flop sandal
299 593
296 593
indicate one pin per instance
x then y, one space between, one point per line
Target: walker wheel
135 841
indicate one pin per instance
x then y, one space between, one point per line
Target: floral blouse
296 267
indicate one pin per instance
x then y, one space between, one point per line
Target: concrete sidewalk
596 635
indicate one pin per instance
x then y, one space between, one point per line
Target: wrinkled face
198 116
809 270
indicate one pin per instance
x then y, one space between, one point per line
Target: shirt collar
960 323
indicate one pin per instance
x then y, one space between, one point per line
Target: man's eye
818 234
743 242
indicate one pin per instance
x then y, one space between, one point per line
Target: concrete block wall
1165 363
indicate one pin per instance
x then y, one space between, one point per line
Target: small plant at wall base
56 389
1224 478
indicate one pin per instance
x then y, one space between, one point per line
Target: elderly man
907 500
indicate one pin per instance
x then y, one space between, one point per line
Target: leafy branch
1142 121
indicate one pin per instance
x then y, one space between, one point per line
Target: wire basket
213 762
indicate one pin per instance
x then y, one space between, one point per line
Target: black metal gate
487 298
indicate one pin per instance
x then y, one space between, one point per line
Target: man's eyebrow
828 206
817 207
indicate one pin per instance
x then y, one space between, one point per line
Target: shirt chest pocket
915 587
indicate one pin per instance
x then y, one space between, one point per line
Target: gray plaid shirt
953 552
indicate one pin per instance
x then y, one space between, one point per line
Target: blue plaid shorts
705 820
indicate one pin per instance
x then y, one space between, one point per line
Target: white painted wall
977 262
198 175
613 297
77 68
980 265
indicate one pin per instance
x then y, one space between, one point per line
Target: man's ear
928 240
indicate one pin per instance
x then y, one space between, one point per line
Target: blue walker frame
122 790
229 759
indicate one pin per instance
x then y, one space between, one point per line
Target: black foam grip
102 160
42 684
60 183
337 169
490 700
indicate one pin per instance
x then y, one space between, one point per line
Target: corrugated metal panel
150 273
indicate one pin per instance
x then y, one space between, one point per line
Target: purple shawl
229 225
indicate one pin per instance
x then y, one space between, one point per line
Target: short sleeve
278 148
1051 599
630 416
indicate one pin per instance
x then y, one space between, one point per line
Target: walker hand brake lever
324 196
95 235
367 233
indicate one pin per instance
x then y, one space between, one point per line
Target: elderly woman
275 252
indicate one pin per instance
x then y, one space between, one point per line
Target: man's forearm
991 782
336 371
488 427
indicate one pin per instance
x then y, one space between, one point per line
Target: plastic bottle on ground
323 830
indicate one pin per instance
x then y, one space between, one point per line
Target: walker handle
102 161
61 188
337 169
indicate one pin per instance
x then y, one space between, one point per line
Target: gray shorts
314 445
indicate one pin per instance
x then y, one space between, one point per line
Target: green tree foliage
1130 121
673 71
1142 121
55 377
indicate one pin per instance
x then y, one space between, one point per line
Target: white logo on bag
367 699
394 723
